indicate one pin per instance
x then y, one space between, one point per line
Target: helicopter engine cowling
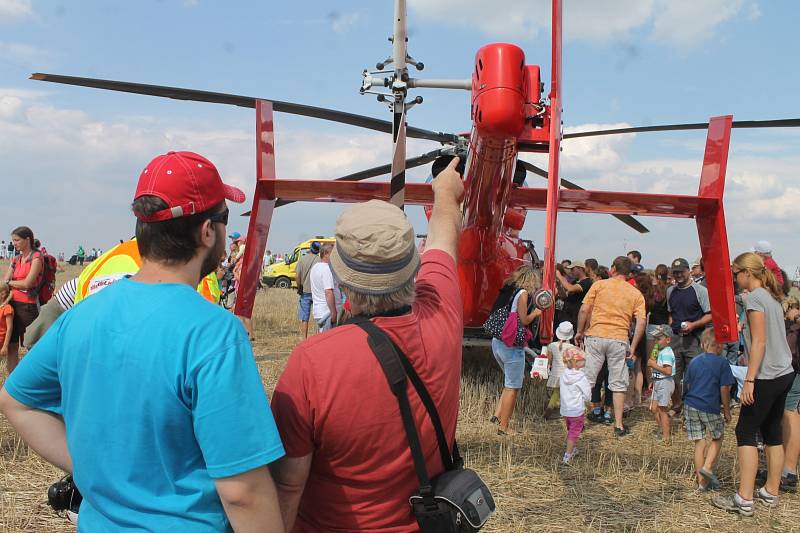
498 90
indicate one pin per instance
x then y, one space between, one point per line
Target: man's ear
207 234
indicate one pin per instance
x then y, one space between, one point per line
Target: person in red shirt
764 250
348 466
22 279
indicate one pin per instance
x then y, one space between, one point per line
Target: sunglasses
222 217
736 272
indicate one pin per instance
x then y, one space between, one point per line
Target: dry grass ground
633 484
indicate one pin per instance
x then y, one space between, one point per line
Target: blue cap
315 246
638 267
235 235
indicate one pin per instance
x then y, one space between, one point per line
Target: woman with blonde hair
768 380
516 295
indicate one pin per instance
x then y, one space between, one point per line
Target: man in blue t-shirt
147 393
707 385
689 314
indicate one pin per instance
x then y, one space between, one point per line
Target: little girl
6 319
555 350
575 392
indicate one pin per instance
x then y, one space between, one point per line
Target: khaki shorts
614 351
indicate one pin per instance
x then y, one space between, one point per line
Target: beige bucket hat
375 252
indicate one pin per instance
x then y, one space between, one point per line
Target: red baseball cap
188 183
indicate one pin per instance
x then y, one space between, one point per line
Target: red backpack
47 279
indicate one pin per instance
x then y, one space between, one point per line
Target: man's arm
330 299
290 474
699 324
584 316
569 287
251 501
444 226
41 430
298 276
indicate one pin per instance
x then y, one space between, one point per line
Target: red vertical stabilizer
263 206
711 229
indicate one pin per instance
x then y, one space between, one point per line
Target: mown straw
631 484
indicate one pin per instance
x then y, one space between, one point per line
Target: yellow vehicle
281 275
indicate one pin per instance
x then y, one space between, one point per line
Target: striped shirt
66 294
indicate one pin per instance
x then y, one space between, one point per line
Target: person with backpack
22 277
516 296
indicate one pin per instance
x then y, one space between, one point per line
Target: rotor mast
399 91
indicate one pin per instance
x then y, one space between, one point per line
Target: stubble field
629 484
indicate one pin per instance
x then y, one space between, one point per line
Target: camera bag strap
398 369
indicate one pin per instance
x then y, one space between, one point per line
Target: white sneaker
72 517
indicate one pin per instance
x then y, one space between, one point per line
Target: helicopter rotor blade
779 123
628 220
373 172
195 95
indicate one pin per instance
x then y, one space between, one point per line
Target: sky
70 156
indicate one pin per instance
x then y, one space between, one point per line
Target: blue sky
72 155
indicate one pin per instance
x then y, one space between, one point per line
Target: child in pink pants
575 392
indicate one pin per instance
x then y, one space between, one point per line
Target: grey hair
373 304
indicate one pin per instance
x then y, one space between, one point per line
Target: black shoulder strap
397 368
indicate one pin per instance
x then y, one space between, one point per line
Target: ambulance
281 275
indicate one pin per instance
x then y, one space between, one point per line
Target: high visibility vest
124 260
209 288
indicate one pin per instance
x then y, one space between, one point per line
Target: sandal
508 432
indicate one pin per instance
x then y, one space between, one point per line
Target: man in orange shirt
609 309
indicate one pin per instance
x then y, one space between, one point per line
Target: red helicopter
510 115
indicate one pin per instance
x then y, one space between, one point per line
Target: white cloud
679 23
13 9
23 54
686 23
343 22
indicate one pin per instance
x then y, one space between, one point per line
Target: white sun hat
564 331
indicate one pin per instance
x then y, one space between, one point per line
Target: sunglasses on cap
221 217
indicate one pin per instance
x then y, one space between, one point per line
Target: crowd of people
150 376
181 418
620 328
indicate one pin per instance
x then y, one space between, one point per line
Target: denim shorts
662 391
304 308
512 361
793 398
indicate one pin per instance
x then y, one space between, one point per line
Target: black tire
283 283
